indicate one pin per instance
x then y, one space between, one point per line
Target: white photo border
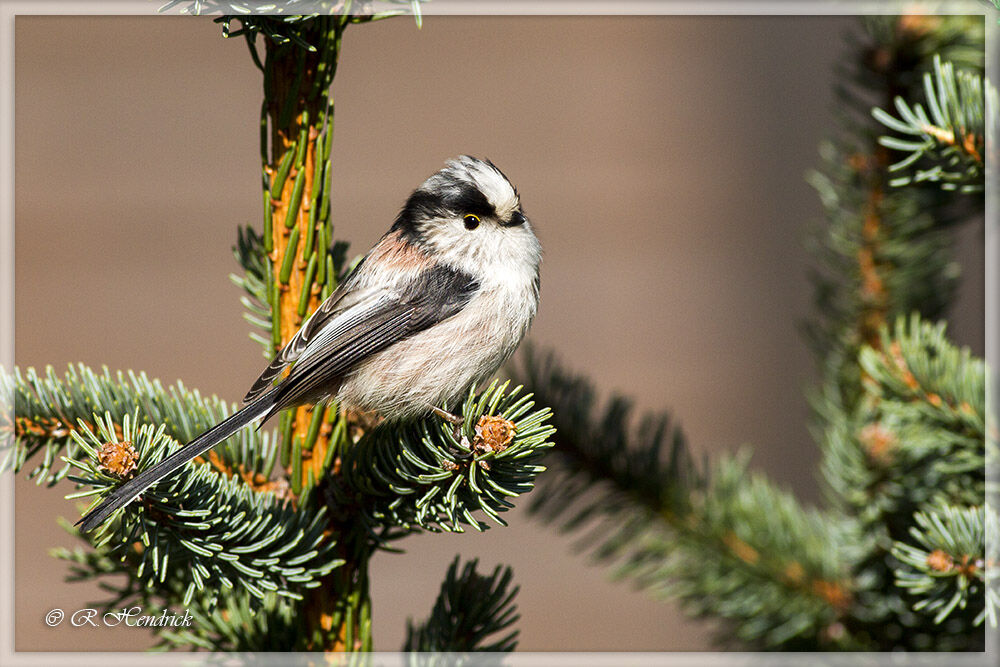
11 9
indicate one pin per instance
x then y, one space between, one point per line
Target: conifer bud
493 434
118 458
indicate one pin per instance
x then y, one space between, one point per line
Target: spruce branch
751 555
885 253
206 528
221 520
296 135
916 434
914 443
949 136
943 564
238 621
722 540
919 374
48 409
418 476
881 251
916 438
470 611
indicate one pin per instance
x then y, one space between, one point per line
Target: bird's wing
346 298
374 320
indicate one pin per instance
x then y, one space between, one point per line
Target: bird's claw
464 449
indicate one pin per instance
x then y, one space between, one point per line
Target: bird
434 308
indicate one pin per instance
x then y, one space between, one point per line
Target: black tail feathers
128 491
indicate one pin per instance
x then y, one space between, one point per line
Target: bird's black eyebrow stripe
457 199
465 198
420 205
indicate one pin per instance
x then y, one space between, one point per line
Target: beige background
661 160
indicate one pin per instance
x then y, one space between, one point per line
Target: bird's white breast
438 365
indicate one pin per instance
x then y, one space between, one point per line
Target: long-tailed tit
437 305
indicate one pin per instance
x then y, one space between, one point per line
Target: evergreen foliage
929 571
896 560
437 482
225 532
951 136
723 540
469 612
48 409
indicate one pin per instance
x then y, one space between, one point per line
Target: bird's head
469 215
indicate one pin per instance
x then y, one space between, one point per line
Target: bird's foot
457 423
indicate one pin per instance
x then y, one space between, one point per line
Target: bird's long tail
128 491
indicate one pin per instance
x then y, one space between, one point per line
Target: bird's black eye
471 221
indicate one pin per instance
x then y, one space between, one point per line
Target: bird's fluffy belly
431 368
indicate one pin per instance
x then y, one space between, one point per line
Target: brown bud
916 24
940 561
878 442
118 458
494 433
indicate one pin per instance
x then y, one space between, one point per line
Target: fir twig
723 540
203 527
949 136
470 611
48 409
944 564
418 476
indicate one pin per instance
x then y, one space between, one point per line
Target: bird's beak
516 219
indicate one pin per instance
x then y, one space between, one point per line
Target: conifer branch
207 529
470 611
920 425
949 138
237 621
418 476
48 409
721 539
884 454
943 564
920 374
882 251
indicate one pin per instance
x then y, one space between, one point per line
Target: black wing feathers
436 295
294 347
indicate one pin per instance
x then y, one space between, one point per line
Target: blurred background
661 160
